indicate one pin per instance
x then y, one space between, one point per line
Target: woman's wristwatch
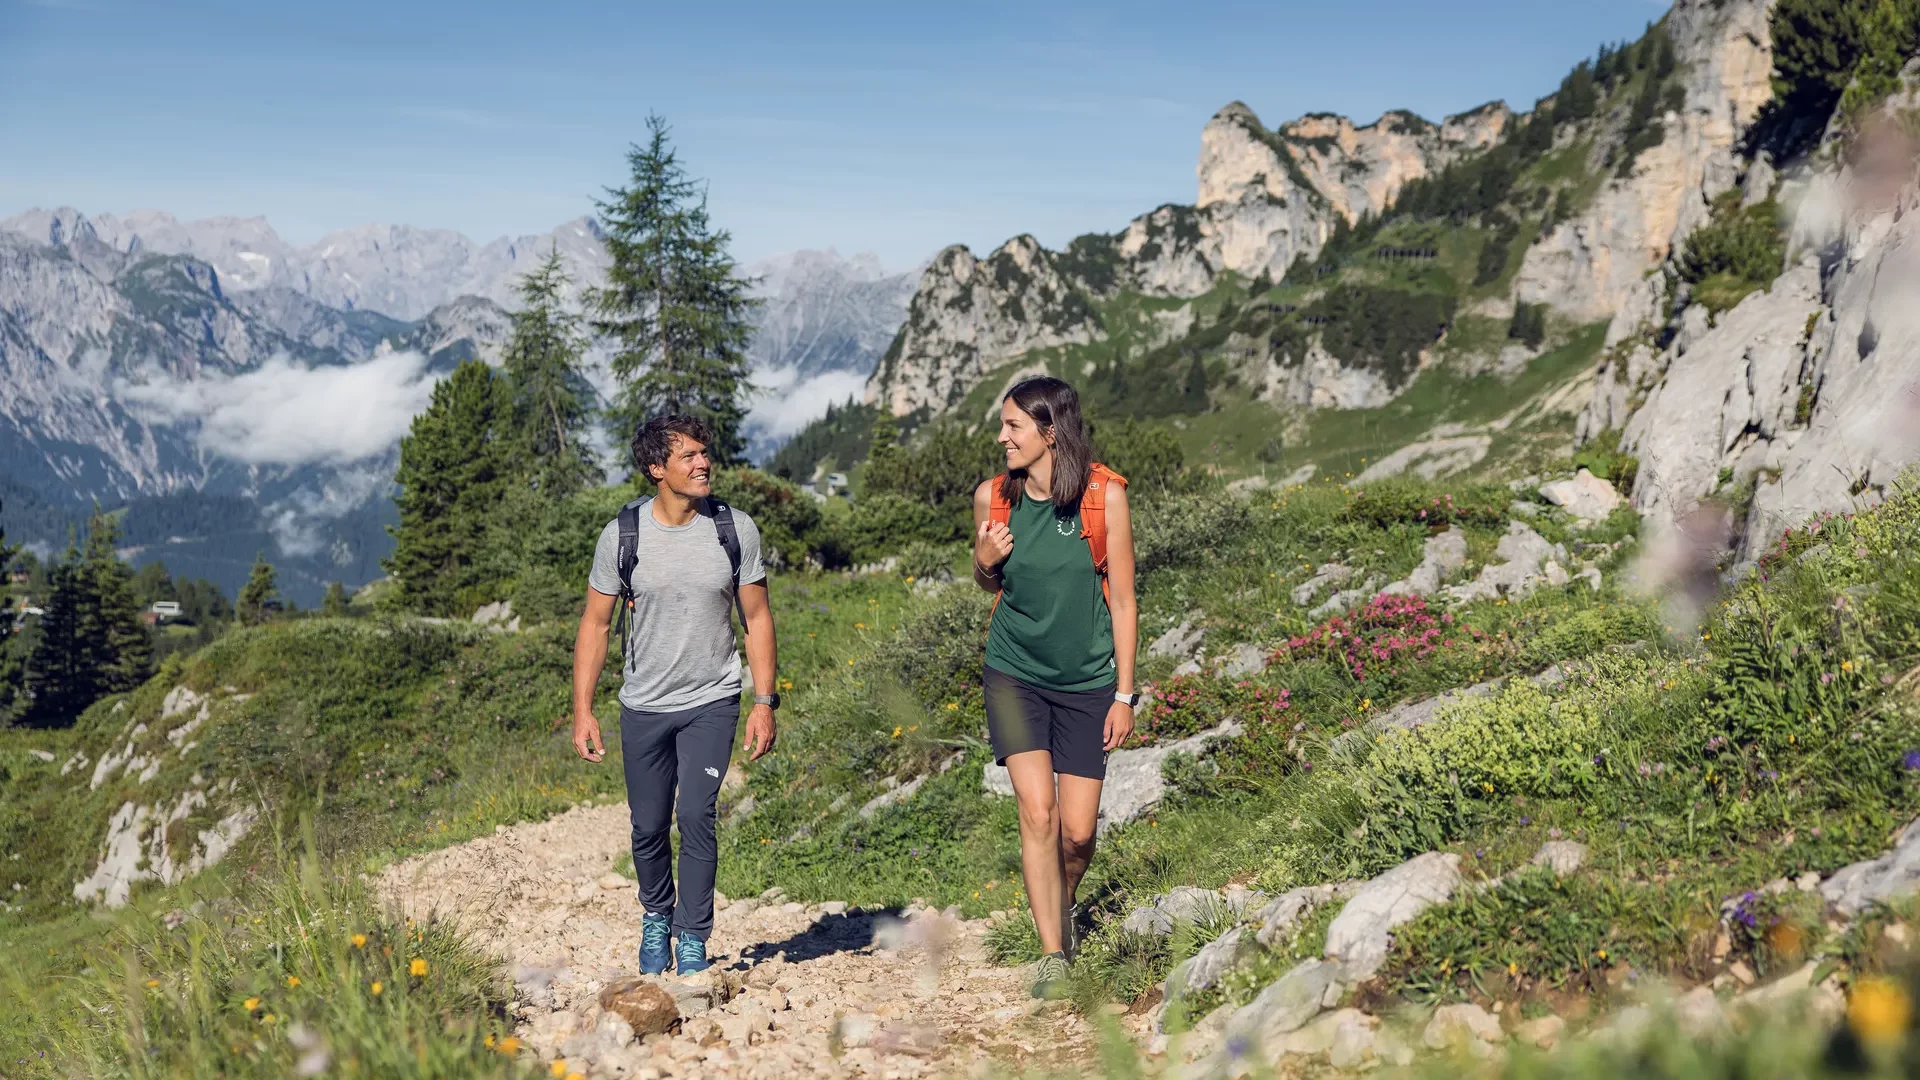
1129 700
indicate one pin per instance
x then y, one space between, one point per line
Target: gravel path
796 989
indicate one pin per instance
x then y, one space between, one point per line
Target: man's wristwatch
771 701
1129 700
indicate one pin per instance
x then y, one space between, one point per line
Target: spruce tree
12 669
116 640
883 451
334 603
454 468
59 684
552 399
262 586
679 317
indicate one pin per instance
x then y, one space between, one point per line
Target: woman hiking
1054 540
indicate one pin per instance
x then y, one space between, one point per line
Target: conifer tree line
497 448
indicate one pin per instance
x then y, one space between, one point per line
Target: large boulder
1853 889
1442 555
1361 935
642 1003
1586 497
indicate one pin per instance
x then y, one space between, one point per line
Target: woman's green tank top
1052 628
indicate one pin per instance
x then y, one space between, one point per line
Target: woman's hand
991 546
1119 725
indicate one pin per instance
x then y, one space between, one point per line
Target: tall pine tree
12 668
677 313
552 399
92 642
454 468
261 588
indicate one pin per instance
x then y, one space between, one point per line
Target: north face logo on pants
711 771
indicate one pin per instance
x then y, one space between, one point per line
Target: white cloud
784 403
282 413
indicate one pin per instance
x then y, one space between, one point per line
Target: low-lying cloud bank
284 413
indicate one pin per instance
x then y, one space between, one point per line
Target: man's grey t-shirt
680 647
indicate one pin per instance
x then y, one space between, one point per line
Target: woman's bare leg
1079 802
1032 774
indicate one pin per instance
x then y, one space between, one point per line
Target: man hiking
679 562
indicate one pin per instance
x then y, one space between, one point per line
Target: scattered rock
1563 857
1246 659
1329 574
1181 641
894 795
1286 911
917 1040
1543 1032
1345 600
1284 1006
497 616
1586 497
1204 968
41 755
833 907
1443 555
1184 904
1699 1014
734 780
1524 556
1360 935
647 1008
1853 889
1459 1026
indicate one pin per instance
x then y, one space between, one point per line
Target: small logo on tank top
1067 526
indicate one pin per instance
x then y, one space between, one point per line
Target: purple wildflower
1910 761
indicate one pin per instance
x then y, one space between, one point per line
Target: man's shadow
830 934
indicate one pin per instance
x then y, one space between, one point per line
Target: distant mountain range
214 366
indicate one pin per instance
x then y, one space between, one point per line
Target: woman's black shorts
1070 725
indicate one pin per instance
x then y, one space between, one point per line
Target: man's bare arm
589 657
762 656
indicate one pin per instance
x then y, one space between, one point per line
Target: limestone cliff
1265 198
1595 265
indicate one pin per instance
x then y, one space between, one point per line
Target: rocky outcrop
971 315
1594 266
1264 198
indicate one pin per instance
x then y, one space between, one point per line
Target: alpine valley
241 395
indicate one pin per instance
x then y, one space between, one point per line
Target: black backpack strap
730 541
626 555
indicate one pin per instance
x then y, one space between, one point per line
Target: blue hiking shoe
691 954
655 956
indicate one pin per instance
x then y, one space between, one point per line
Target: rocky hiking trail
818 990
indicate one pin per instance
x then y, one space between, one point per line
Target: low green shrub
1185 529
1401 500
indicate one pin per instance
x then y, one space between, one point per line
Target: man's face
688 471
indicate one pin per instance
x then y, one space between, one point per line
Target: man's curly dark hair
653 443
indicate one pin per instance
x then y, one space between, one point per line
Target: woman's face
1024 441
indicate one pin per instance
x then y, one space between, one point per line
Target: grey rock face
1853 889
1329 574
1184 904
1134 784
1442 555
1285 1005
1563 857
1182 640
1586 496
1205 967
1286 911
1360 935
1527 562
1245 659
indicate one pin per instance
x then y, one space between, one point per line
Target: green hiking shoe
1051 981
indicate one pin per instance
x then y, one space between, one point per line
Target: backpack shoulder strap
730 542
1000 510
625 556
1093 514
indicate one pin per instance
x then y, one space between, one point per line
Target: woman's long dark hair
1054 406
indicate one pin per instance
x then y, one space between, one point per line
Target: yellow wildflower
377 987
269 1019
418 966
250 1004
859 626
1879 1010
360 940
1513 969
1601 953
293 981
1846 665
952 705
151 983
559 1067
509 1045
896 731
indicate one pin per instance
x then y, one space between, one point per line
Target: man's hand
992 545
1119 724
759 731
586 737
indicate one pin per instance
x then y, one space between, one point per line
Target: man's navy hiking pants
687 750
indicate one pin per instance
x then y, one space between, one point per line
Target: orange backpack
1093 517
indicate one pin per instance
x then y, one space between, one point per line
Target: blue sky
888 128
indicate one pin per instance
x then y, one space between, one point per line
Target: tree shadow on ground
831 934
